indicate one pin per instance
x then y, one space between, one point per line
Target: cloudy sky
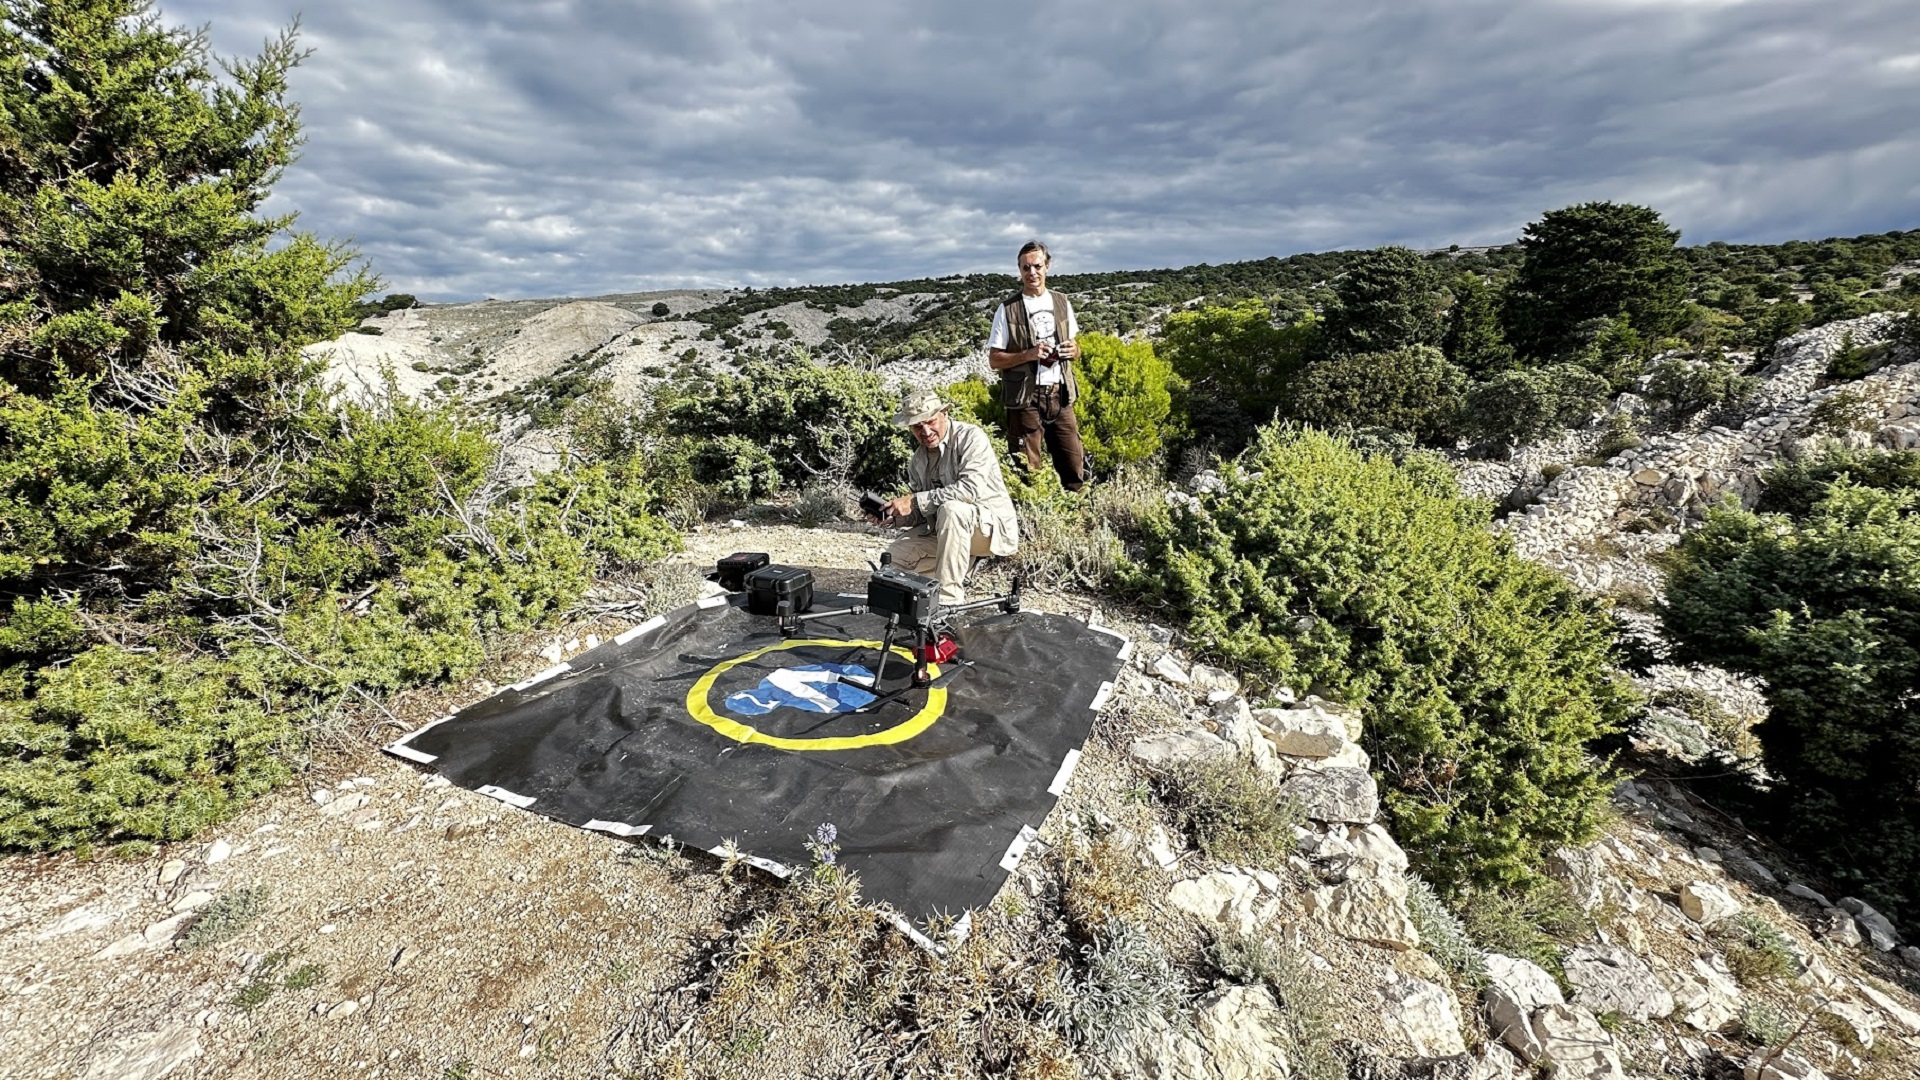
535 148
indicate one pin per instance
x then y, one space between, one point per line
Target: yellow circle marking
739 732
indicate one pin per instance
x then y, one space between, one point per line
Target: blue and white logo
821 688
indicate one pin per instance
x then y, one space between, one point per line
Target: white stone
1346 714
80 918
1168 668
171 870
1213 684
1838 927
1707 903
197 898
1515 988
1371 908
217 852
1302 732
1606 978
1178 748
1575 1044
1219 899
1710 997
1244 1034
1374 846
322 796
1424 1013
345 804
1343 795
1900 1014
1778 1065
344 1009
146 1057
1805 893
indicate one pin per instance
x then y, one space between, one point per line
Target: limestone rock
1575 1045
1213 684
1707 903
217 852
1424 1013
1236 1034
1773 1065
1348 795
1243 1033
1607 978
198 898
1709 997
1515 988
148 1057
1219 899
1805 893
1168 668
1368 908
1303 732
1863 1022
1838 927
1880 933
343 805
171 870
1176 748
1374 846
1886 1003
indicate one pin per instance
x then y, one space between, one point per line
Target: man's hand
1067 350
898 508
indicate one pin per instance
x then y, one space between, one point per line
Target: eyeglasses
1033 268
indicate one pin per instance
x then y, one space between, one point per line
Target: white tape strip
617 828
1107 630
905 926
408 752
1100 699
505 796
1018 848
1059 785
1126 651
552 672
712 602
654 623
777 869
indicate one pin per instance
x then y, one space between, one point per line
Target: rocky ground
374 921
404 927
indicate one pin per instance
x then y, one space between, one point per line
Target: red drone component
940 649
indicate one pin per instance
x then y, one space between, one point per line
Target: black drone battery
731 572
913 597
771 586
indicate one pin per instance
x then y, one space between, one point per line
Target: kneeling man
958 507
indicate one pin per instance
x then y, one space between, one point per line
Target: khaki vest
1017 383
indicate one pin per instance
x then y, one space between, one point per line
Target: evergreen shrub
1412 390
807 419
1522 405
1484 678
1825 606
1682 387
201 554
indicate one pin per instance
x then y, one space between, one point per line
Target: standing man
1033 345
958 505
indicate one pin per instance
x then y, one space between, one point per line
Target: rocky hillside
376 922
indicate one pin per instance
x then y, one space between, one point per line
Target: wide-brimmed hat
918 407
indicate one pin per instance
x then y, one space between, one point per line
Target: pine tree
1594 261
1389 299
150 320
1474 341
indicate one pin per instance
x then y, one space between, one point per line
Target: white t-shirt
1040 319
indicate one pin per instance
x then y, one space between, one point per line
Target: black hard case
913 597
770 586
731 572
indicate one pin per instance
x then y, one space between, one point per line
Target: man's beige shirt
963 467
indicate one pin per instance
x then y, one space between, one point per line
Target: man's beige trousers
949 553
